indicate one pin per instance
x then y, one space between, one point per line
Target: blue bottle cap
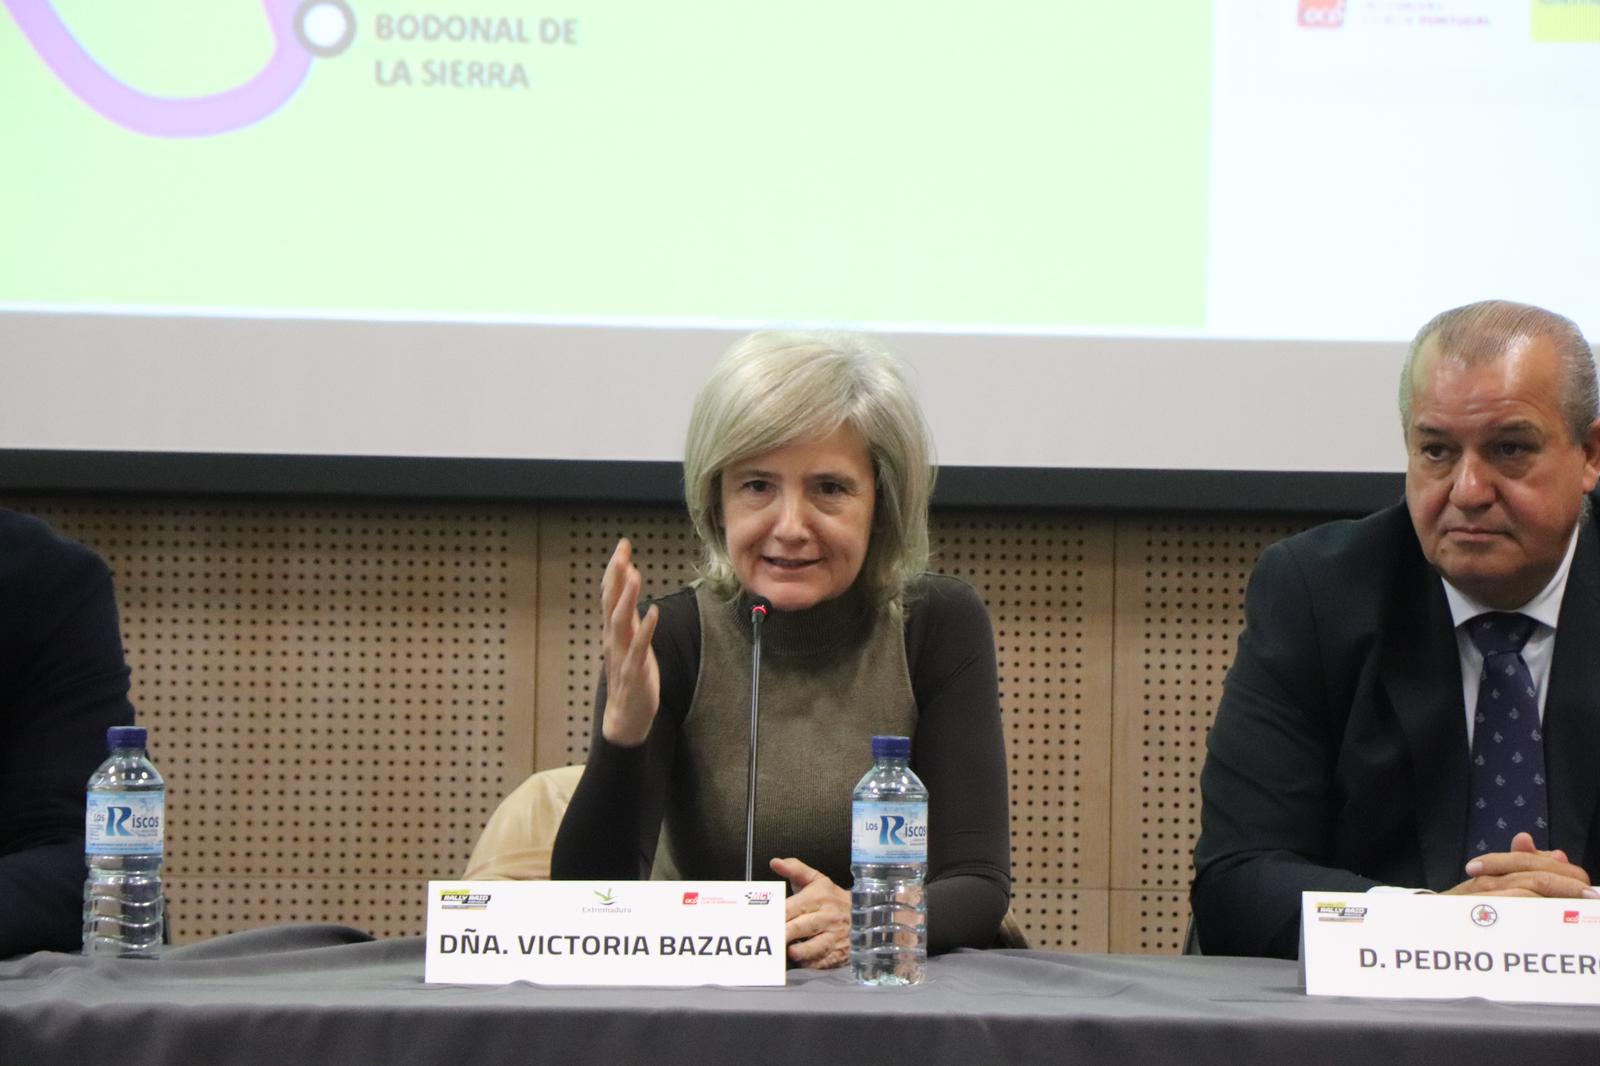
891 748
125 736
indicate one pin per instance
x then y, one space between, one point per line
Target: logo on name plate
608 903
1484 915
691 898
1339 911
758 898
460 900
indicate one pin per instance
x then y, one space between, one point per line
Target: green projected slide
1036 165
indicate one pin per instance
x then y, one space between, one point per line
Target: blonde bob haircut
771 389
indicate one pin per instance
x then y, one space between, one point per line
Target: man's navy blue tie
1506 793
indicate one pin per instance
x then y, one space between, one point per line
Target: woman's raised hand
633 680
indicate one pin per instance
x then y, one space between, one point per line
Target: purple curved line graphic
167 116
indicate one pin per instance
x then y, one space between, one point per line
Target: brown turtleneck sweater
831 678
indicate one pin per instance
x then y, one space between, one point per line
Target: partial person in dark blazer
63 683
1343 757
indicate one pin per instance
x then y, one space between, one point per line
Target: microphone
759 606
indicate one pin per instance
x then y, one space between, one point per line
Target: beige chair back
516 843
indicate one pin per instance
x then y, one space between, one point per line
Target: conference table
329 994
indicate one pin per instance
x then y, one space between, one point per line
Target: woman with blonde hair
807 473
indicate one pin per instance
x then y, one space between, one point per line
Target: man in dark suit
1343 757
63 683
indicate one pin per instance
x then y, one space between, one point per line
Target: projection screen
1161 236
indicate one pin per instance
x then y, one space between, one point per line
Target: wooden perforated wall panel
1179 608
340 694
1048 583
337 695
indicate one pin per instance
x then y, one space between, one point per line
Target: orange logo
1322 14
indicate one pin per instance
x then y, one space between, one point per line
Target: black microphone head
760 607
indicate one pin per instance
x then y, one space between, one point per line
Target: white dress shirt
1545 609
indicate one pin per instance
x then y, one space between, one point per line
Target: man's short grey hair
774 388
1483 332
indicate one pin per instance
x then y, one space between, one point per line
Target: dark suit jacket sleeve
1267 790
63 682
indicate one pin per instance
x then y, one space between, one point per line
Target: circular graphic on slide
300 30
325 27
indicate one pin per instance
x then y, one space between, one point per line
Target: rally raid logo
455 899
758 898
1484 915
1340 912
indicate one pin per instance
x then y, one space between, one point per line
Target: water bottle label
125 823
889 833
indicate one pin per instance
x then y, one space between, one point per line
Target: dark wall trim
595 481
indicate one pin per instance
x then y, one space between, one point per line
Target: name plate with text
606 933
1395 945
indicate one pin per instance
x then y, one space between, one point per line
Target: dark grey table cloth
325 994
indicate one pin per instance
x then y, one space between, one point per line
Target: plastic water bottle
124 910
889 860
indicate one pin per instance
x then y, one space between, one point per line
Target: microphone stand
758 613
